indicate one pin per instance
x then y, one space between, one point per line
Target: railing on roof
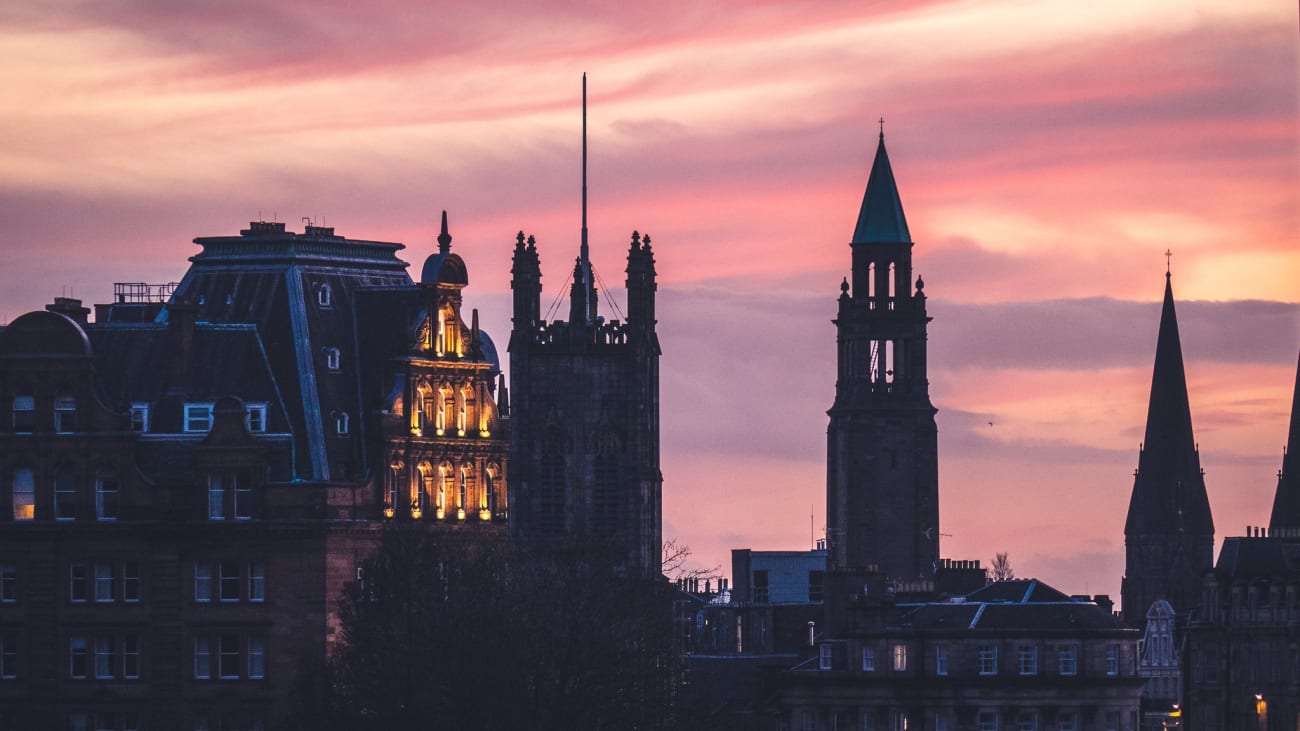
124 292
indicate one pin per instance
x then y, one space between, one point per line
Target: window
1028 660
1067 721
1112 659
256 581
332 358
106 495
228 657
216 497
8 583
325 295
131 657
77 582
256 657
131 581
1027 721
898 720
8 656
940 659
940 721
900 657
825 658
1069 660
78 659
24 494
65 413
104 582
198 418
987 721
24 414
255 417
79 722
760 587
1112 720
104 657
988 657
202 658
809 721
140 417
243 495
202 582
65 493
341 423
867 725
229 581
868 659
816 585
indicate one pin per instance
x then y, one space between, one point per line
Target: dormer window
140 417
255 418
24 413
325 296
198 418
65 413
332 358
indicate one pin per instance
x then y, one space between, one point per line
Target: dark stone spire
1169 492
1286 503
444 238
881 218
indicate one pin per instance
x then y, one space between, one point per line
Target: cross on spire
882 128
1169 261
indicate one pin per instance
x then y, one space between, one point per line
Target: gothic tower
584 458
1286 502
1169 534
882 481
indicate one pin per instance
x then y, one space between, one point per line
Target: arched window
487 500
606 507
428 483
65 413
446 402
332 358
444 486
65 493
551 485
420 412
390 489
462 410
24 494
462 491
24 413
325 295
341 423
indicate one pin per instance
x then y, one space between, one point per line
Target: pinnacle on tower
881 218
444 238
1286 502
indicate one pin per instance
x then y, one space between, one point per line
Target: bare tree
676 557
1000 568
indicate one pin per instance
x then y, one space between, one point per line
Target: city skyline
1047 157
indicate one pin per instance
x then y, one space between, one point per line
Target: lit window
8 656
333 359
8 583
104 582
1028 660
256 658
228 658
940 659
900 657
256 581
825 658
77 582
899 720
255 418
868 659
1112 659
65 493
202 582
104 656
988 660
24 494
65 414
1069 660
198 418
24 414
216 497
131 581
229 586
202 658
243 495
341 423
325 295
140 417
78 657
106 495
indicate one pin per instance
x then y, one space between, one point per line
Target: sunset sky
1047 153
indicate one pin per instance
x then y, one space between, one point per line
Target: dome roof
444 268
44 334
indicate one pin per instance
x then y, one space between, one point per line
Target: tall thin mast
584 254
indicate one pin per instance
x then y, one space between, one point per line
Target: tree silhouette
1000 568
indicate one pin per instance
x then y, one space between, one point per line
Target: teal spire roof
881 219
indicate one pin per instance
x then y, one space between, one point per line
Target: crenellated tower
1169 533
882 482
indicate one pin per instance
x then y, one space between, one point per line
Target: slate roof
881 220
1010 606
1258 557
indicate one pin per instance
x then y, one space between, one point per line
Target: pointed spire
584 255
1286 502
1169 491
881 218
444 238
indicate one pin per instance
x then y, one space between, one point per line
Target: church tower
584 458
1169 534
882 482
1286 502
